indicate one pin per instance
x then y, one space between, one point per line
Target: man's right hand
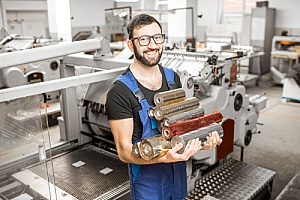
192 147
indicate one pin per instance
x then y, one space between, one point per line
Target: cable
50 151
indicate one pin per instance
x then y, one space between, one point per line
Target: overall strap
169 73
129 80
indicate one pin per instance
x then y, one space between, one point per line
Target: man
127 105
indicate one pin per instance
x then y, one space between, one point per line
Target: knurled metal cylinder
154 146
176 108
182 116
200 133
169 97
184 126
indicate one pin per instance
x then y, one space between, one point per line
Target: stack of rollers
179 119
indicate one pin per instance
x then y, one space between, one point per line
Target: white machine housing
30 73
212 85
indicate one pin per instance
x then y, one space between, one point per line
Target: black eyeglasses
144 40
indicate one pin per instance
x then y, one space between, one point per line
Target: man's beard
143 60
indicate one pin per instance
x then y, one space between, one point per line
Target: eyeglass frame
150 36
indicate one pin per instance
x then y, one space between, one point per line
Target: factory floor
277 147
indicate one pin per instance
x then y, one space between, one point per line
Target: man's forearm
127 156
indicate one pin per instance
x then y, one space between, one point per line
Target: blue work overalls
162 181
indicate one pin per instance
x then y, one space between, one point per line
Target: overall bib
162 181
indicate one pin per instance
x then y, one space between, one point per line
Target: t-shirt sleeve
118 105
177 81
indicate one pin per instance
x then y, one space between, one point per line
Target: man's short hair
140 20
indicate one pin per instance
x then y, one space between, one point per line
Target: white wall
89 12
1 16
177 25
181 23
287 13
59 20
24 17
210 12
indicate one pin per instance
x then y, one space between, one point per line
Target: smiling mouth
151 52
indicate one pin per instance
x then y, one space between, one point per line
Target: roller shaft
176 108
191 124
182 116
200 133
169 97
154 146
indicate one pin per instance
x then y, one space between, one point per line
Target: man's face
149 55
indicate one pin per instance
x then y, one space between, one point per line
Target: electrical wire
50 151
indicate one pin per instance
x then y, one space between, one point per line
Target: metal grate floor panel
232 180
85 182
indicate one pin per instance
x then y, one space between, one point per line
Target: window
233 6
249 4
238 6
237 13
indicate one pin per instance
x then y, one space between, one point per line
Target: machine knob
238 102
54 65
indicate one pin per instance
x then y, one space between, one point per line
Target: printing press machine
77 159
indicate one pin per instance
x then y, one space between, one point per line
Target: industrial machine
78 160
216 86
31 73
284 55
285 65
13 42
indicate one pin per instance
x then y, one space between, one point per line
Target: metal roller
191 124
154 146
135 150
200 133
169 97
176 108
151 112
182 116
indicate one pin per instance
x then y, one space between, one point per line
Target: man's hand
192 147
212 141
